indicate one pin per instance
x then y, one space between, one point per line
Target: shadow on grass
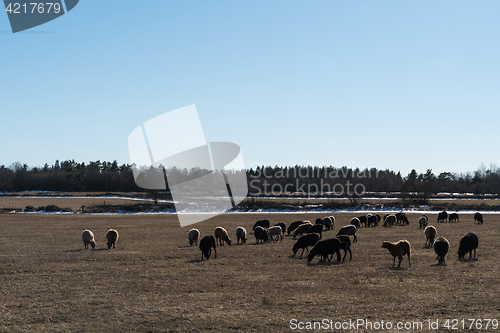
439 264
79 250
324 262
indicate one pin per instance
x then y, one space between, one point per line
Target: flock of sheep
311 237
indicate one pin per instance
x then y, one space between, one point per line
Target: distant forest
105 176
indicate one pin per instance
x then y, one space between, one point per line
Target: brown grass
154 282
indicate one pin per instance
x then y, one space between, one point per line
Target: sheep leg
393 261
345 254
400 258
338 256
409 261
355 239
302 251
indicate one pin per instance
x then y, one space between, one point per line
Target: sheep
345 244
302 229
442 217
319 221
398 249
478 217
222 236
261 234
441 247
276 231
372 220
355 222
422 221
241 234
362 220
294 226
400 218
333 221
112 238
430 234
453 218
304 242
349 230
324 248
378 218
390 220
468 243
206 245
316 229
88 238
262 223
193 236
404 220
282 226
327 222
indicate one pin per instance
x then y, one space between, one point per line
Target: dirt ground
155 282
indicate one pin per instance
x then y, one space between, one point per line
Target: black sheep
294 226
261 234
355 222
327 222
345 244
443 217
319 221
372 220
441 247
305 242
282 226
478 217
206 245
349 230
324 248
453 218
468 243
362 220
262 223
316 229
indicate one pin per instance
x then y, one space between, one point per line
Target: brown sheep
390 220
302 229
222 236
112 237
398 249
430 234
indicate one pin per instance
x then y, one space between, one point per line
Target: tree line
103 176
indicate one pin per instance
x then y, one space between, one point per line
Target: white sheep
276 231
88 238
193 236
241 233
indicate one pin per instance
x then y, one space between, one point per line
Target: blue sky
393 85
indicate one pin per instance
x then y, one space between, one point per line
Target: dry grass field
154 282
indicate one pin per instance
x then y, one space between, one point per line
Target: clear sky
395 85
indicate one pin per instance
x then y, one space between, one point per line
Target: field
154 282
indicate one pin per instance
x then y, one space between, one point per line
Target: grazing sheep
294 226
241 234
327 222
262 223
305 242
453 218
319 221
316 229
302 229
442 217
193 236
430 233
206 245
261 234
422 221
362 220
345 244
324 248
404 220
112 238
222 236
398 249
349 230
282 226
399 216
88 238
468 243
333 221
355 222
390 220
276 231
378 218
478 217
441 247
372 220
